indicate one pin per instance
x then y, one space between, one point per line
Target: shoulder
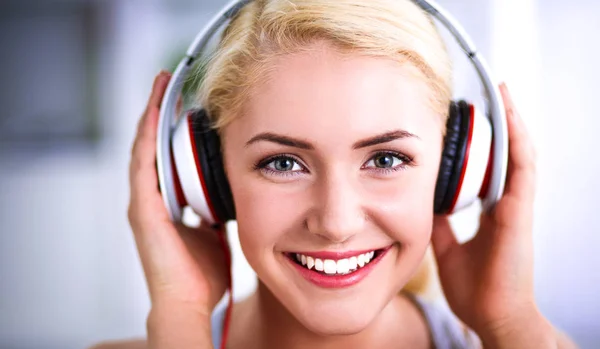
131 344
445 330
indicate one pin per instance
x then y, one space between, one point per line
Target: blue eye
384 160
387 161
283 164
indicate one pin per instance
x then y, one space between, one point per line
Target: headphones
190 168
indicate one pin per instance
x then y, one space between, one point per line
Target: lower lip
337 281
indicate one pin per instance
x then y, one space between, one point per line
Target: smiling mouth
331 266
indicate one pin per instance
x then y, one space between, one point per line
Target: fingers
158 88
442 238
142 171
145 130
520 180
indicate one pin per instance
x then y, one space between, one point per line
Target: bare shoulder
129 344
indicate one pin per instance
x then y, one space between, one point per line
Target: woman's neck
263 321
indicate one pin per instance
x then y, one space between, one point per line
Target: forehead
311 93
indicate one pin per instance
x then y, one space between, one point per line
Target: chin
340 312
341 320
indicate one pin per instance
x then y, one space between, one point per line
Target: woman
332 116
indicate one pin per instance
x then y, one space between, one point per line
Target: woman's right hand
185 268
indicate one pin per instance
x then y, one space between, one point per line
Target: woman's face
334 160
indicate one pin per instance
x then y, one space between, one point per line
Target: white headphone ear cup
188 169
476 161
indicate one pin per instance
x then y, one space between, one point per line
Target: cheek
406 209
265 215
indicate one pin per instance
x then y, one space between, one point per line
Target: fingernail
163 74
158 77
511 111
507 94
503 86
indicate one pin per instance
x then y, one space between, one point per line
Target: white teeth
361 260
353 263
342 266
331 267
310 262
318 264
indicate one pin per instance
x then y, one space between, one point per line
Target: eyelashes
386 161
273 165
279 165
287 165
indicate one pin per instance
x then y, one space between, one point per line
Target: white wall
568 224
70 274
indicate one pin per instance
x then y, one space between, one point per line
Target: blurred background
74 78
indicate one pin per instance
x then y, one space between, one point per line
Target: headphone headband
494 111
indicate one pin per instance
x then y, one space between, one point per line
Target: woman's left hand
488 281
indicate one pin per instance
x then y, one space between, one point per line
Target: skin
337 201
334 198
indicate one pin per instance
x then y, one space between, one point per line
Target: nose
337 213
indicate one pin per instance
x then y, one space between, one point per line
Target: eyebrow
301 144
280 139
384 138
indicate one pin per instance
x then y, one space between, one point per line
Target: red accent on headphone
199 169
485 187
466 159
178 190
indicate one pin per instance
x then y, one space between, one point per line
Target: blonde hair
265 29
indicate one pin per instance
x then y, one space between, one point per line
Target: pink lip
337 281
337 255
